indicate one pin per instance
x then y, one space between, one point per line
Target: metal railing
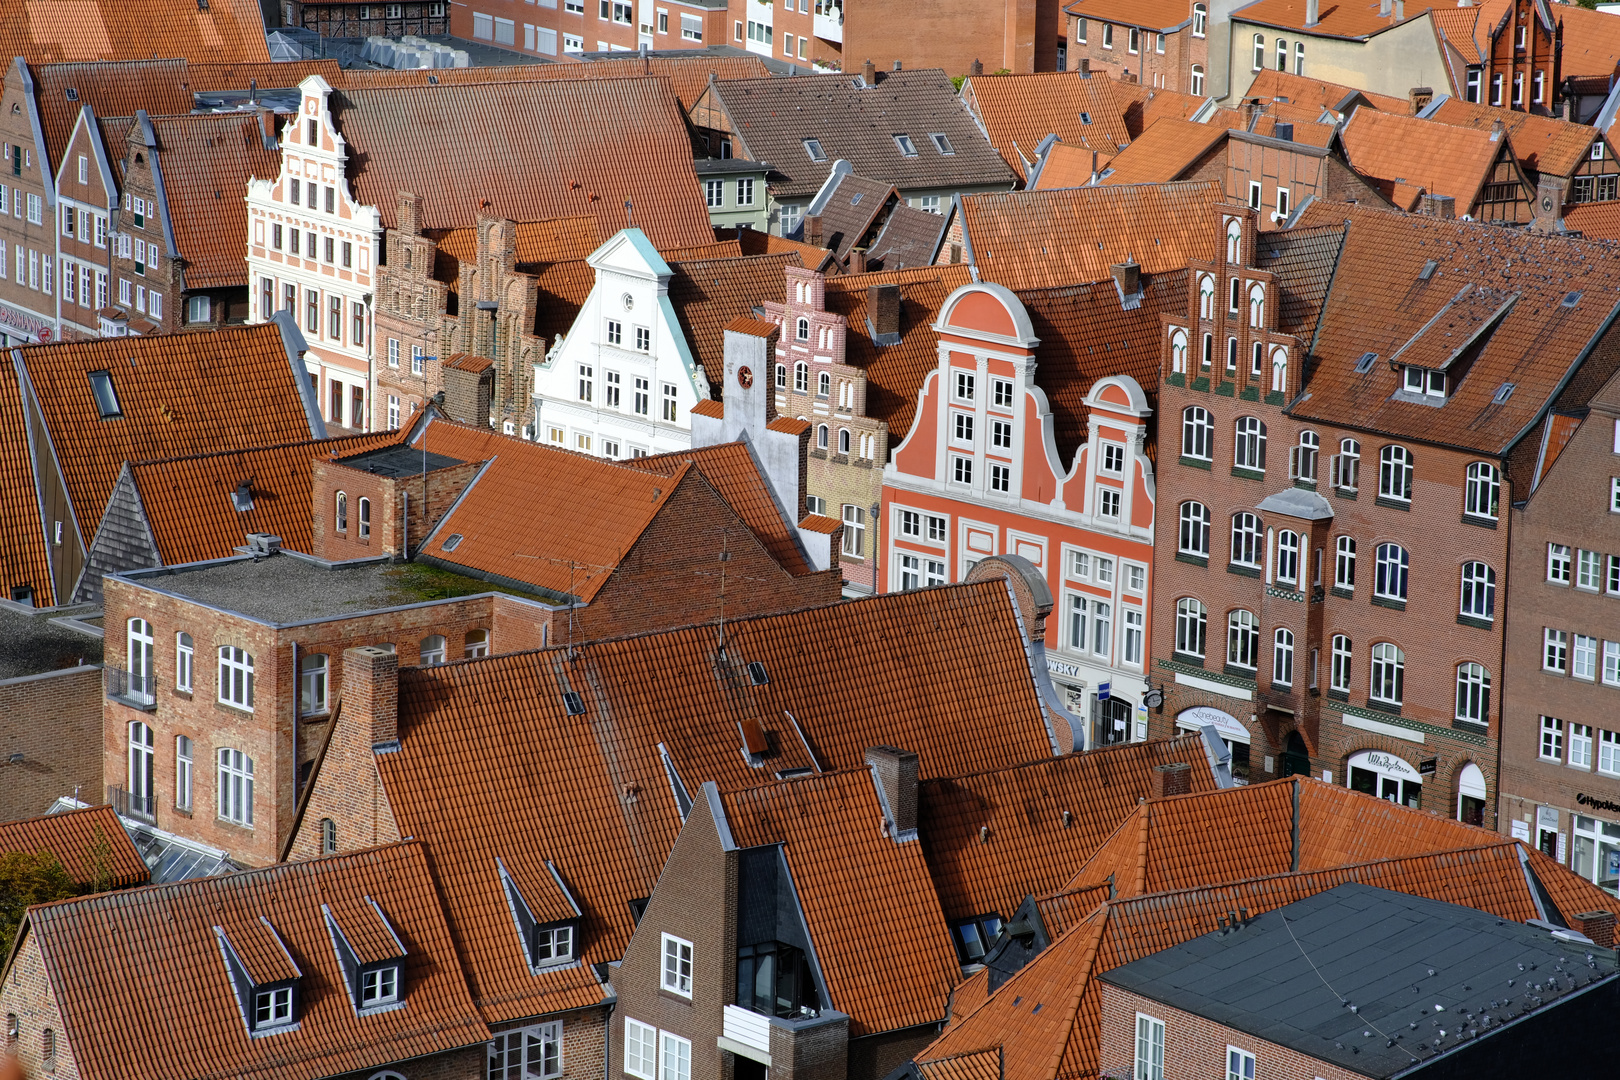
129 804
139 690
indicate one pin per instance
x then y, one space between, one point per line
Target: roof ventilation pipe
1313 12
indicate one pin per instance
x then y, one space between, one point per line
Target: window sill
1393 504
1194 560
1345 493
1483 523
1243 571
1238 671
229 824
1338 695
1343 593
1305 485
1248 474
1187 658
1225 389
1384 706
246 710
1386 602
1477 727
1195 463
1475 621
670 995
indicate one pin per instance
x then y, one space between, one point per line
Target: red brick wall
54 722
394 525
27 993
1170 70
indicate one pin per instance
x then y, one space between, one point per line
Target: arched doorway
1296 760
1471 795
1385 775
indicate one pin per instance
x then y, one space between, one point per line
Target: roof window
756 673
855 199
942 144
101 388
573 703
1428 270
452 542
1085 118
242 497
72 94
1571 299
813 148
1425 382
907 147
1365 364
1503 392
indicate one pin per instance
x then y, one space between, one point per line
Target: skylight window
1365 364
907 147
1085 118
1428 270
101 388
452 542
942 144
573 703
813 148
1503 392
1571 299
855 199
756 673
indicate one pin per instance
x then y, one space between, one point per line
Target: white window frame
674 1057
235 802
677 954
184 658
184 771
525 1050
1550 746
1240 1064
236 676
1149 1056
640 1049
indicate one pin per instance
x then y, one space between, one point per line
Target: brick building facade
1162 45
27 216
87 196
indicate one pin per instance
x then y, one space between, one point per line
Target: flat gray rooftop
281 589
31 644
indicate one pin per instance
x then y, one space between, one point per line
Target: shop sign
1388 763
1226 724
1598 804
1427 766
1059 667
18 319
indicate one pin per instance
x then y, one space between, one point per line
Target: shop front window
1386 776
1597 852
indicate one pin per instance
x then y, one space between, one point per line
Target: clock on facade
745 377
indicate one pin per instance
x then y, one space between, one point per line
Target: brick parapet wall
54 722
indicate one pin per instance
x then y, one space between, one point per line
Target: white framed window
417 359
1583 658
854 531
1588 570
1197 434
1395 474
1558 564
671 406
182 772
235 786
1484 488
1001 434
1388 673
1473 693
1149 1041
674 1057
1609 752
1240 1063
431 650
1242 639
1478 591
1552 739
1001 482
272 1008
677 965
965 386
379 986
1339 665
1199 29
235 677
961 469
533 1053
1108 498
140 767
1248 541
640 1049
1191 627
1135 625
1135 578
1391 568
1193 535
476 644
1282 658
1614 495
184 653
1555 650
1347 465
313 671
962 428
1288 543
1302 458
1580 746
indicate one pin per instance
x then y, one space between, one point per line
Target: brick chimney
371 694
857 260
1172 779
1418 98
869 73
812 229
1548 212
1597 925
1085 67
976 68
883 308
896 773
1128 276
409 214
1440 206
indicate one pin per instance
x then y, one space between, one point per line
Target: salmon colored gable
982 312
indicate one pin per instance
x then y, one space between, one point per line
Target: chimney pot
869 73
1597 925
883 307
1418 98
896 773
1172 779
812 229
371 694
857 260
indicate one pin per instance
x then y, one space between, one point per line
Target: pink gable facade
978 474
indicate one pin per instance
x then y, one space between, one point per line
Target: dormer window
1428 383
370 953
265 984
379 986
548 943
552 945
272 1008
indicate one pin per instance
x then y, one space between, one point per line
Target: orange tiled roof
132 1010
719 249
1343 20
760 242
1044 819
537 160
73 837
1600 221
551 241
45 31
1019 111
188 501
1306 132
1591 41
179 394
1162 153
1541 143
1145 105
974 1065
895 373
1148 14
1069 167
1272 85
708 293
1379 302
1043 239
1440 158
206 162
1460 28
845 869
732 470
939 671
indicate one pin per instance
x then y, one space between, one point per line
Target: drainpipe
298 684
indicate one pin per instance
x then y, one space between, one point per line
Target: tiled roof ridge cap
1609 248
63 816
1077 990
347 92
1091 922
267 447
1047 762
782 785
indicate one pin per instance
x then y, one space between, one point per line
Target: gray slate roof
1411 967
773 117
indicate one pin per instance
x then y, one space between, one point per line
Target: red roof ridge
365 436
710 407
747 324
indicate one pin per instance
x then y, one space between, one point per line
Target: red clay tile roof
733 472
1144 105
710 407
1344 20
895 373
820 523
1306 132
1379 302
1046 239
132 1010
1019 111
1464 30
1560 429
845 870
537 160
188 501
550 241
1148 14
1273 85
747 324
179 394
760 242
940 671
1044 819
73 838
720 249
206 162
1591 42
1541 143
45 31
975 1065
1440 158
1600 221
1069 167
468 362
1162 153
708 293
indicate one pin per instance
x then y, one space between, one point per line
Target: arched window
802 330
843 440
328 836
1473 693
1242 639
1279 371
1194 537
1200 20
342 514
781 376
1302 461
801 377
235 786
1247 542
365 519
1197 434
1299 58
1339 671
1249 449
1395 473
1282 659
1234 298
1257 304
1478 591
798 291
1390 568
821 437
1231 355
141 687
1259 51
235 677
1344 563
1206 296
1195 84
1347 465
1234 241
1483 489
1288 557
431 650
1191 621
477 644
1388 673
823 385
140 768
1178 351
1282 54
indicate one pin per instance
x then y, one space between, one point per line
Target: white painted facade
327 276
622 382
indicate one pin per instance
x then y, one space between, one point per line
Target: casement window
677 965
1196 79
365 504
640 1049
643 397
1134 43
1242 639
476 644
36 210
1614 495
235 677
1471 93
965 386
1299 58
417 359
961 469
1537 85
182 773
1588 570
1554 650
533 1053
1135 626
1191 625
674 1057
1611 663
671 410
1609 753
1258 62
854 531
1282 659
1282 54
1395 474
1248 540
1240 1063
1197 434
1200 27
801 377
1158 44
1149 1042
1001 437
272 1008
910 523
962 428
1390 576
1478 591
691 27
140 660
1388 673
183 656
1001 481
140 768
1339 665
714 193
1288 545
1302 458
1473 693
334 318
340 520
1108 35
1518 88
313 672
235 787
610 386
1482 491
1113 456
1552 739
312 311
1347 465
1580 746
586 382
1558 564
824 386
358 330
1583 657
330 247
745 191
393 412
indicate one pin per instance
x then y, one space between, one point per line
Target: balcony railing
131 689
129 804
